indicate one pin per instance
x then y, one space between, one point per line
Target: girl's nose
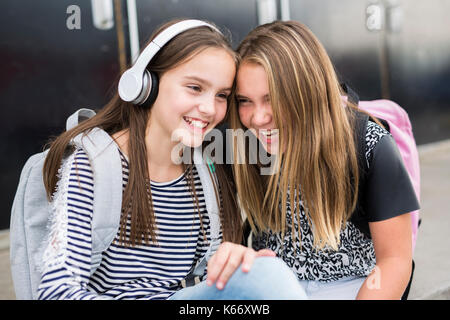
261 116
207 107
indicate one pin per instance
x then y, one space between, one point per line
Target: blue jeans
268 279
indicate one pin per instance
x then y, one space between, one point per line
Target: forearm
387 281
65 288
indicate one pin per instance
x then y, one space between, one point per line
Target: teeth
199 124
196 123
268 133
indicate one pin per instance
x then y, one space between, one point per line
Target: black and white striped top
152 271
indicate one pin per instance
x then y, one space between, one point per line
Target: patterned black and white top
153 271
356 255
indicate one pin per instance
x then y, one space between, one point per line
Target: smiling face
255 110
192 97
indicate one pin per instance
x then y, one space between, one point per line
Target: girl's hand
228 258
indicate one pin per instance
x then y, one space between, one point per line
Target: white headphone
137 83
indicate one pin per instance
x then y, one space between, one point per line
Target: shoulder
374 134
81 179
75 173
388 190
77 161
81 158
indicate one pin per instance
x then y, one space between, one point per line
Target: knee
269 264
271 277
272 268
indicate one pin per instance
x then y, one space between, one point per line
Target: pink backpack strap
401 130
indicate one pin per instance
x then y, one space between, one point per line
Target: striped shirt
151 271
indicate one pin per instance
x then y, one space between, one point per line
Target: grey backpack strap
207 176
106 166
209 190
199 269
78 116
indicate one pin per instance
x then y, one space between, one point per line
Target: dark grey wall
47 71
407 61
236 16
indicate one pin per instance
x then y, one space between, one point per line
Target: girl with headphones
344 238
171 223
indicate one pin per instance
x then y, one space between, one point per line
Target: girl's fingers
217 263
266 253
234 261
250 256
228 258
247 262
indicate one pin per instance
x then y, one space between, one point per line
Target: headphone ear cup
154 89
150 89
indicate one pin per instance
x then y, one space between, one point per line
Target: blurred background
58 56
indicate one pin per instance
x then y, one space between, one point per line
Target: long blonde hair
319 165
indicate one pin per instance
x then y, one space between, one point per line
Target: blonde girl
343 238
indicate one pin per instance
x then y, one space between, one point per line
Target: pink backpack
400 129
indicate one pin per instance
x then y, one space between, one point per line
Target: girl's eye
241 101
222 96
195 88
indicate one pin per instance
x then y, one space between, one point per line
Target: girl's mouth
269 134
196 124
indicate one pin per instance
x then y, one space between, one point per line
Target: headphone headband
132 81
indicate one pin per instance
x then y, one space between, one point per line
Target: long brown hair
319 164
118 115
